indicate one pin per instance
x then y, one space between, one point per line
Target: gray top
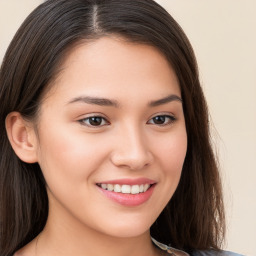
172 251
215 253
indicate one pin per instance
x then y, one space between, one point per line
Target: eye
162 120
94 121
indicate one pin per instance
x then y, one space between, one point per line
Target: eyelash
88 120
171 120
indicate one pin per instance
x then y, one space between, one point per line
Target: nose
131 150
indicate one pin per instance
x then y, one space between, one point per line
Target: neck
65 236
91 243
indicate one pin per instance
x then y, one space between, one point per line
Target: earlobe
22 137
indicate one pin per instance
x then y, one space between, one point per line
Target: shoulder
214 253
174 251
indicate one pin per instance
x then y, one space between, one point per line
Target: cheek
66 157
172 152
68 163
171 155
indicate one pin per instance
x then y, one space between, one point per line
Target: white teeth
104 186
135 189
146 186
126 189
117 188
110 187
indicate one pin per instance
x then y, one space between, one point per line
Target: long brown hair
194 217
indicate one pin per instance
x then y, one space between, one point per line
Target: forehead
114 65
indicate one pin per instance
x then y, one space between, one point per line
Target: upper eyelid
163 114
84 116
93 114
99 114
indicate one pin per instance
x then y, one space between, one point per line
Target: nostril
135 161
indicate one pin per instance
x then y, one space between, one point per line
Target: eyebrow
95 101
113 103
165 100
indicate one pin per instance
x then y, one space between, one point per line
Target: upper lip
138 181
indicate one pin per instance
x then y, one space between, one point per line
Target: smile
128 192
125 189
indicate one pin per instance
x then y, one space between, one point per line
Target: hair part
194 217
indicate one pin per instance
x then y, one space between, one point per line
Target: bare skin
139 134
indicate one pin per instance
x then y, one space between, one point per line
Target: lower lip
129 199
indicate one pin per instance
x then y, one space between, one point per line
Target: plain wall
223 34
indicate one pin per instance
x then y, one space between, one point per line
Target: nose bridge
132 149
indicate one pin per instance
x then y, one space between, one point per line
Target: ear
22 137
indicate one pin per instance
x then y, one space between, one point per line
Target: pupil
95 121
159 119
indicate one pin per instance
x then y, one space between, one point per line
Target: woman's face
112 138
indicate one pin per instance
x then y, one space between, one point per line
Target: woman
104 136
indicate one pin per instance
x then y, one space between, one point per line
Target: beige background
223 34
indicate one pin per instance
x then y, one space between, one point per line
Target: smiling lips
128 192
125 189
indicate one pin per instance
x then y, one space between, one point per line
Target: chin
128 228
127 233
